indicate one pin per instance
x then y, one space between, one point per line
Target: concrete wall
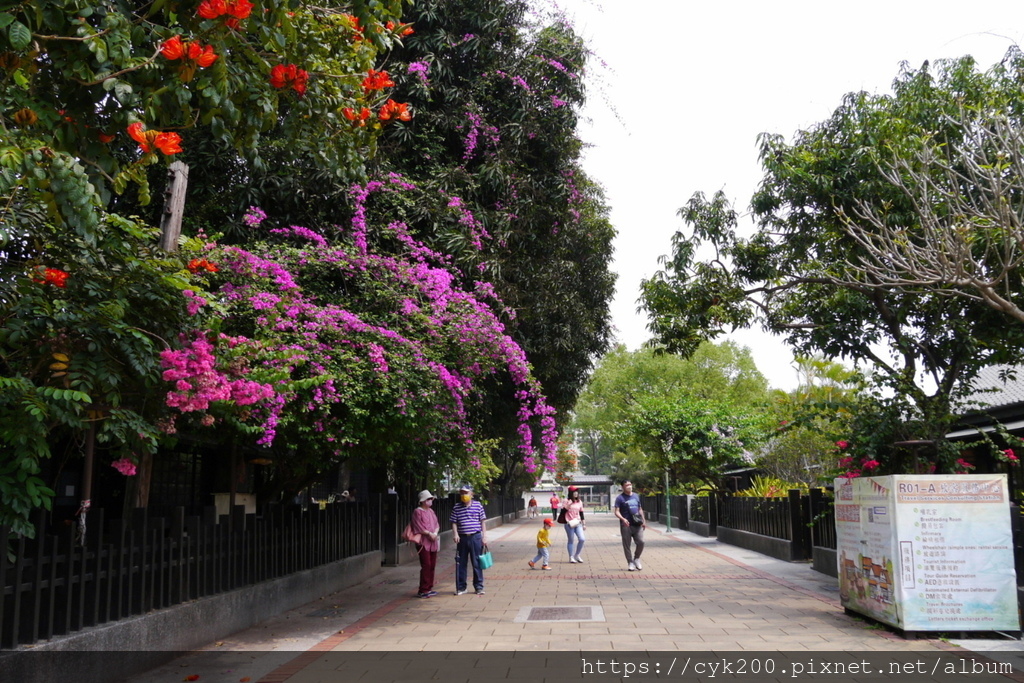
699 528
824 561
766 545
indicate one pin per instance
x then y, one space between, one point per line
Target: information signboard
927 552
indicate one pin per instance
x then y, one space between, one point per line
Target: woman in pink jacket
424 522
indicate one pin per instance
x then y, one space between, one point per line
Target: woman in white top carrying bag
575 524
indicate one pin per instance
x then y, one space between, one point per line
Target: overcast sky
687 87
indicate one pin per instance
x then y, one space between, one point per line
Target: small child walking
543 543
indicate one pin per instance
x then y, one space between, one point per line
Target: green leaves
18 35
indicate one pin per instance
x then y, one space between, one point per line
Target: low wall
699 528
137 644
766 545
824 561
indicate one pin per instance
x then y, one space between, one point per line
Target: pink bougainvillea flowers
124 466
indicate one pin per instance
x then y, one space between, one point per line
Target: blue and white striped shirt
469 518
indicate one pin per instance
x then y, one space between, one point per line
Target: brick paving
692 595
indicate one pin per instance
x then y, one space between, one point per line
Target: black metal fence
764 516
53 585
700 509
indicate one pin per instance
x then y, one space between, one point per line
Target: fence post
389 529
798 530
712 514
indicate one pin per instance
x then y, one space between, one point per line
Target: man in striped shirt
470 535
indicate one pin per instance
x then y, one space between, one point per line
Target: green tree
496 95
793 276
81 326
693 439
719 374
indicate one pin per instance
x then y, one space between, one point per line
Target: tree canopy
794 275
630 391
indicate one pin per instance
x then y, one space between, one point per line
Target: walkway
693 595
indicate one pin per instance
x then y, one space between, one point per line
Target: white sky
688 86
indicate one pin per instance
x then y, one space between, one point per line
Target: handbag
485 559
573 523
408 535
636 520
561 516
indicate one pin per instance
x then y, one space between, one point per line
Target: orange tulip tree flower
359 117
289 75
50 276
197 264
168 143
235 9
396 110
377 80
174 48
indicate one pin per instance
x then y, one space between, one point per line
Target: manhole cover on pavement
555 613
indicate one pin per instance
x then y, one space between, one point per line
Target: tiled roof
996 386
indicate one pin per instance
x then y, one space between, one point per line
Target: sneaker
632 567
480 591
431 594
639 566
533 565
546 567
579 559
460 592
572 560
423 595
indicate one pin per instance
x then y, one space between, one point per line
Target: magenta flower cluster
407 334
199 379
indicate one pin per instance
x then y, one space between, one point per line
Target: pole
668 506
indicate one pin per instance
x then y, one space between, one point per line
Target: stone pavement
693 594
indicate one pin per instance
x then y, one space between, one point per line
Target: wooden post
174 206
86 494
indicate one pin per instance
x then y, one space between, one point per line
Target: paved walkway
693 595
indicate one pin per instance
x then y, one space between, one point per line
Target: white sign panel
928 552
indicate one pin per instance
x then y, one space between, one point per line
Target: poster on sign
927 552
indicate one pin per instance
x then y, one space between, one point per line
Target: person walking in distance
631 525
555 503
532 506
470 536
424 522
575 524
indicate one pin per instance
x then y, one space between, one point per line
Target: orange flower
168 143
358 116
105 137
377 80
50 276
240 9
173 48
211 9
197 264
405 30
289 75
392 109
203 55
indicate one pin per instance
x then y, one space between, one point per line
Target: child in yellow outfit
543 543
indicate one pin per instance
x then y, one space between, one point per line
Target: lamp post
668 506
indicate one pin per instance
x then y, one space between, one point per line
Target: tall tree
716 374
496 98
792 275
966 185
